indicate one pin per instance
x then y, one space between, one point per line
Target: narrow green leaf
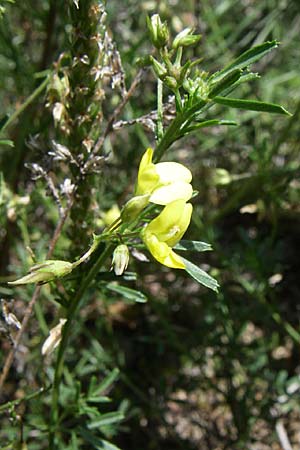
98 444
225 82
7 142
99 399
106 383
74 441
195 246
245 78
200 276
128 293
251 105
246 59
106 419
209 123
107 445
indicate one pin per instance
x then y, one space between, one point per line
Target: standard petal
148 177
164 195
171 171
146 159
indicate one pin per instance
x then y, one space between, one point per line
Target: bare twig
36 293
118 110
148 120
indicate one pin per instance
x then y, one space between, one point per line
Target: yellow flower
164 182
163 232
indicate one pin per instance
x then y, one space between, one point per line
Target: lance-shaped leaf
246 59
195 246
200 275
129 294
251 105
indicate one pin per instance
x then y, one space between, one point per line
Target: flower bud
159 32
45 272
221 177
171 83
120 259
185 38
54 338
58 112
134 207
143 61
158 68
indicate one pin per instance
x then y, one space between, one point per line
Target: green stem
72 311
87 254
159 125
27 102
178 57
168 138
178 101
174 131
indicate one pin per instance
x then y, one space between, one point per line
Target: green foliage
151 358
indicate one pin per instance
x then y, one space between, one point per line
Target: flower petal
181 226
174 261
148 177
176 191
146 159
162 252
167 219
171 171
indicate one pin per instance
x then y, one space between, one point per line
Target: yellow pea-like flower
163 232
164 182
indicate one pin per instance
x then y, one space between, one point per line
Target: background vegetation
189 368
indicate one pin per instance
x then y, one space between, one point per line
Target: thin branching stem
72 311
24 105
159 124
35 296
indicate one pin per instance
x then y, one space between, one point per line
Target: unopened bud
221 177
159 32
158 68
185 38
43 273
58 112
171 83
53 339
143 61
134 207
120 259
